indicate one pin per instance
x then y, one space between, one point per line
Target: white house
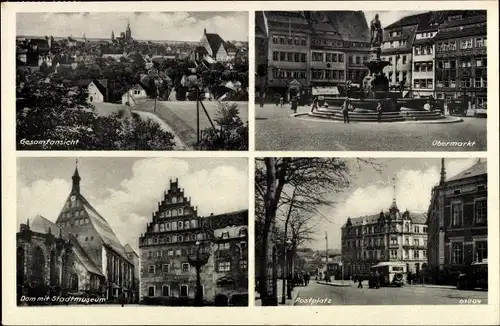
134 95
95 93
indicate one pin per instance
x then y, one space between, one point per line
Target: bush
230 133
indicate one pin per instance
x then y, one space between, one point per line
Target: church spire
443 173
394 206
76 180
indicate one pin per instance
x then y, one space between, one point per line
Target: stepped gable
42 225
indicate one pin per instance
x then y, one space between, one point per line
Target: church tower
112 36
75 189
128 32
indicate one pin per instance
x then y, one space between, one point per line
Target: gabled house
98 91
217 48
135 95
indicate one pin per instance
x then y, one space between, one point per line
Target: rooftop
479 168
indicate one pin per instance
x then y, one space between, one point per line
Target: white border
389 315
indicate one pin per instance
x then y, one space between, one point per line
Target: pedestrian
379 111
409 278
281 101
314 104
360 284
121 299
294 104
345 110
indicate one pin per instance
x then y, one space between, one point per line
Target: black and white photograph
371 80
366 231
132 231
132 81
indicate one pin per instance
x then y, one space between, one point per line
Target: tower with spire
128 32
394 207
443 173
75 189
112 36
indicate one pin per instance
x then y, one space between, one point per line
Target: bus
475 276
391 273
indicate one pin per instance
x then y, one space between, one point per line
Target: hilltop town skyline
158 27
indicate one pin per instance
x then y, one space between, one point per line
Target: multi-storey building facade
422 77
175 234
388 236
93 260
328 63
461 61
288 52
261 52
458 219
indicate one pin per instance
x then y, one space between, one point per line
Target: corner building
171 238
389 236
458 220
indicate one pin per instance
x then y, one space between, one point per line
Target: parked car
476 276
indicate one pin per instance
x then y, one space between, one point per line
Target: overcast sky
372 191
126 191
172 26
388 17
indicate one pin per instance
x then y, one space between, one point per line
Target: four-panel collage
147 173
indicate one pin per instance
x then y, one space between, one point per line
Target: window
170 252
168 214
151 291
158 254
282 56
165 291
186 224
394 240
289 56
179 225
225 235
184 291
302 57
407 254
276 56
162 227
479 42
180 212
243 265
165 268
224 266
151 269
480 211
481 250
178 252
155 240
457 253
416 254
456 214
394 253
185 267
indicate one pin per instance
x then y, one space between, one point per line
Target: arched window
165 291
73 282
186 224
180 211
184 291
168 212
174 200
243 232
151 291
181 238
179 225
167 239
174 212
38 263
53 267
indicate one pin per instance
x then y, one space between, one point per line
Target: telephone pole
326 263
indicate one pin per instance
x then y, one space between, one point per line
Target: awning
328 91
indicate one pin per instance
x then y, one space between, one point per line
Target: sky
171 26
371 191
126 191
388 17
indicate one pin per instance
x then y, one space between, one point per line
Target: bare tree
299 184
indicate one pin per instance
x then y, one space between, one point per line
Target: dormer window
225 235
243 233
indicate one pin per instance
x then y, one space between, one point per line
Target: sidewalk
289 302
346 283
432 286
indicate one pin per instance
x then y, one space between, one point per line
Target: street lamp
198 260
157 82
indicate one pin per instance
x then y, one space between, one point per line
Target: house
98 91
217 48
135 95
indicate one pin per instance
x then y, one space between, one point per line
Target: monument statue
376 32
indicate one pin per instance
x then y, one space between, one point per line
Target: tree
299 184
47 109
230 134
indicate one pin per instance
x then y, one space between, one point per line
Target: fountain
375 90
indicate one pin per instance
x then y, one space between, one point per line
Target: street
276 130
181 116
406 295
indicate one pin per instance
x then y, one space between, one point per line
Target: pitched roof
215 41
425 20
228 46
477 169
42 225
260 24
103 228
130 250
465 32
351 25
415 217
102 85
293 17
233 218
